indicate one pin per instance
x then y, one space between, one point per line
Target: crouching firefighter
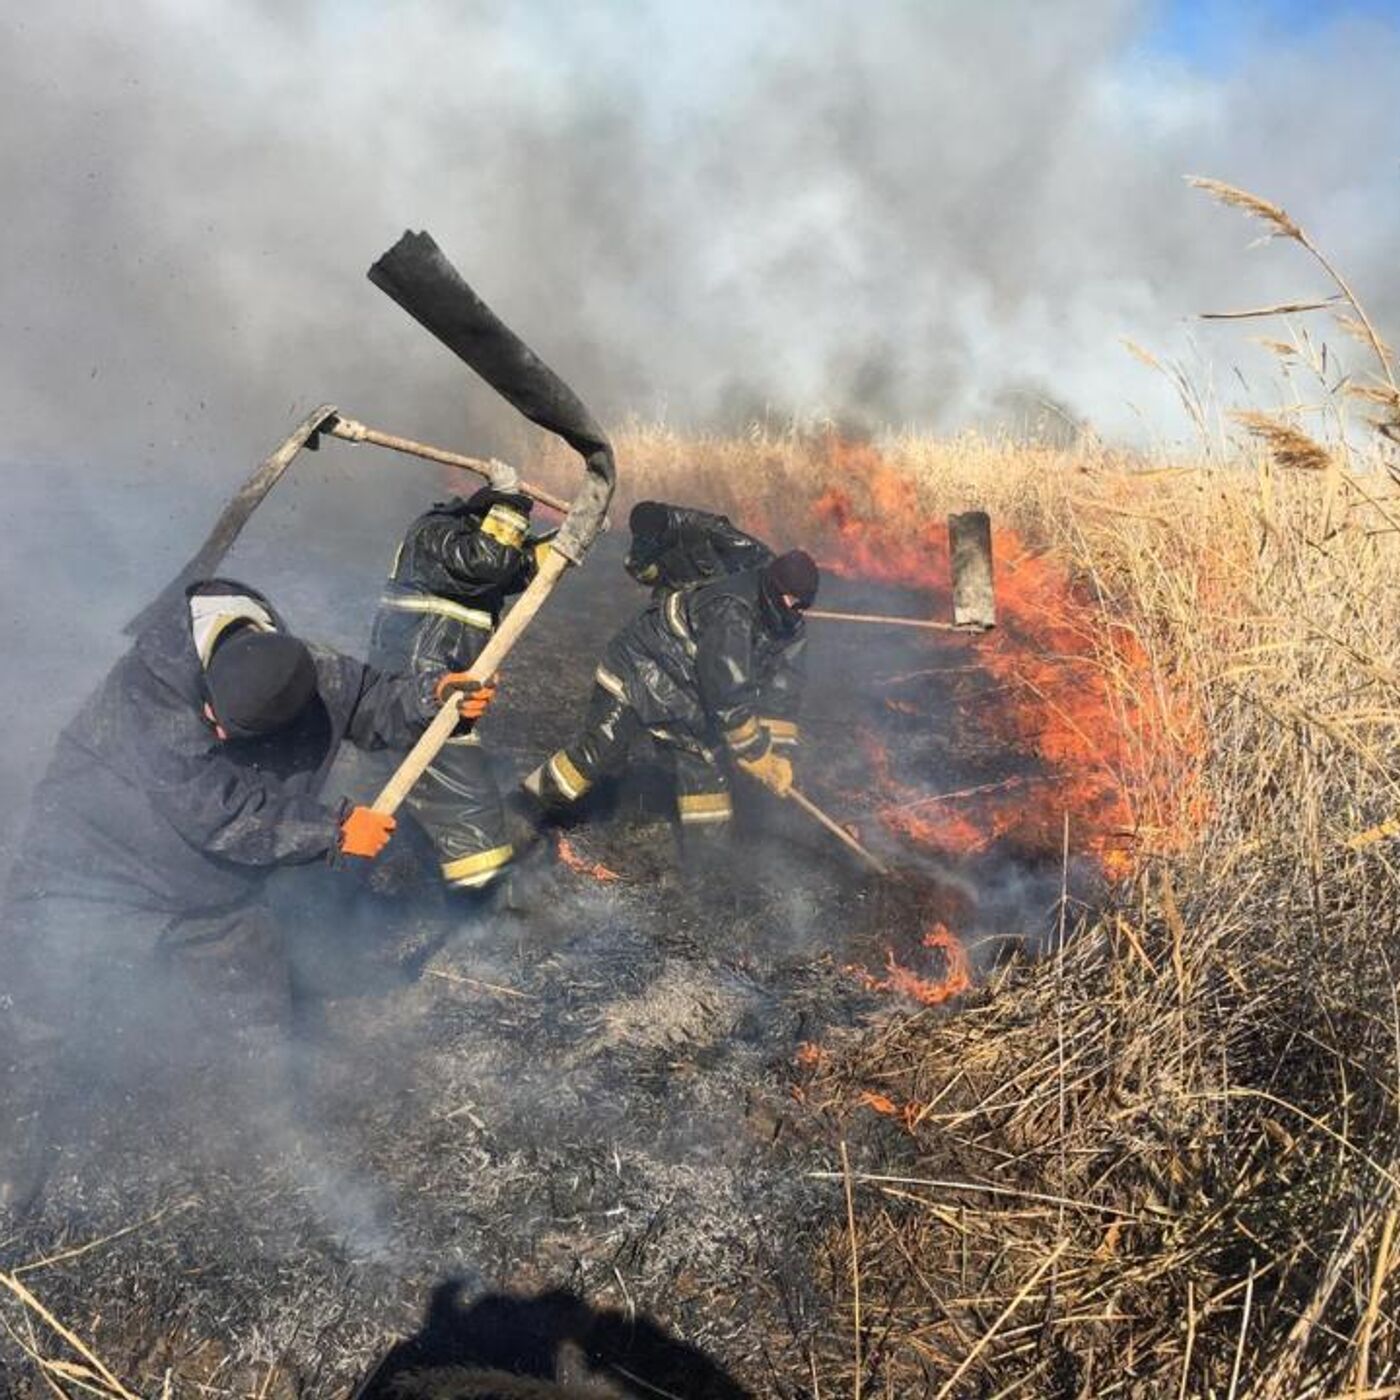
135 911
713 672
456 567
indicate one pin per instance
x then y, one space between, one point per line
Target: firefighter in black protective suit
456 567
135 908
712 670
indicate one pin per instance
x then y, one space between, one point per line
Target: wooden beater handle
886 620
486 665
837 830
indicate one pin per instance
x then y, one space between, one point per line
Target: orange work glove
365 832
771 769
473 697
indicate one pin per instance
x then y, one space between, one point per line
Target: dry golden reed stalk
1289 446
1252 204
1283 226
1362 333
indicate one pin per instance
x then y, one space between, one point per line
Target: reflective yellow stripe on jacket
567 777
781 731
745 737
505 525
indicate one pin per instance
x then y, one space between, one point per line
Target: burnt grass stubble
592 1091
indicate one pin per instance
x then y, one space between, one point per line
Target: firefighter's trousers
601 751
457 803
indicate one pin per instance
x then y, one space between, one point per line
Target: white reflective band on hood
212 614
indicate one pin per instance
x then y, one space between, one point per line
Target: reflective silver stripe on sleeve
675 619
438 607
611 683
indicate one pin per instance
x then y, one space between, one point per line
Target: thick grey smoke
900 208
901 211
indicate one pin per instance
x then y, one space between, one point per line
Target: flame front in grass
1074 695
937 821
892 539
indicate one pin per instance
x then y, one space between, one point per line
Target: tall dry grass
1166 1160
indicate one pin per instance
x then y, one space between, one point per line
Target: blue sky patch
1216 34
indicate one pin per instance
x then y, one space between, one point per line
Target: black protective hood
259 682
794 573
166 644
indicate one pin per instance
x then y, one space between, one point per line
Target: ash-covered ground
592 1089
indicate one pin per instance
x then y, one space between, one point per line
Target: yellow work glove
540 546
771 769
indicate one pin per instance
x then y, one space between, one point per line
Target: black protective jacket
693 546
701 666
145 807
458 564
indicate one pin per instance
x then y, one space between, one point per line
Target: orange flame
1074 700
1078 700
879 1103
927 991
577 863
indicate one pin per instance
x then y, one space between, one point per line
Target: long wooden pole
837 830
348 430
886 620
486 665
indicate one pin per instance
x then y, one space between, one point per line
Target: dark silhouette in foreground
554 1346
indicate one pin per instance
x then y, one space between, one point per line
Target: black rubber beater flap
417 274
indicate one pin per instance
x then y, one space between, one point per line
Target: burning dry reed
1165 1160
1194 1104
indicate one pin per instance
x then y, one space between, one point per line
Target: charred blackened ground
594 1088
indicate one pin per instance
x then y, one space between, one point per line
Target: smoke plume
898 208
896 212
